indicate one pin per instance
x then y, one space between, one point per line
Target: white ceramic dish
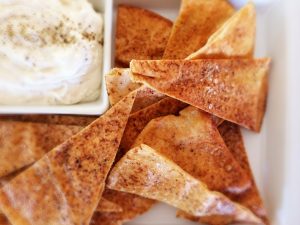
92 108
271 152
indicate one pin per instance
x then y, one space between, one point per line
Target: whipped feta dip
50 52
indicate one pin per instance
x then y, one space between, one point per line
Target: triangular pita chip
197 21
235 39
232 89
193 142
51 119
65 186
24 143
106 206
145 172
233 139
141 34
138 120
119 84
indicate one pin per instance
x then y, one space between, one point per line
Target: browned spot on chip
3 220
105 219
106 206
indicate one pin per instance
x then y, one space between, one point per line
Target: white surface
91 108
273 152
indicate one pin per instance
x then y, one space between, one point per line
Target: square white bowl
276 146
90 108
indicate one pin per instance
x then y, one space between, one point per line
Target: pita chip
232 136
51 119
108 206
197 21
138 120
141 34
235 39
193 142
132 206
119 84
232 89
146 97
147 106
65 186
23 143
136 123
145 172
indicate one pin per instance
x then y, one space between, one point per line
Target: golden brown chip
132 205
23 143
146 97
233 139
138 120
197 21
119 84
136 123
251 198
235 39
232 89
3 181
51 119
103 206
105 219
3 220
193 142
140 34
106 206
145 172
65 186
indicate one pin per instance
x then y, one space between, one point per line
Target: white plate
271 152
92 108
274 153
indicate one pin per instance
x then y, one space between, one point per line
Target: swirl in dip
50 52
